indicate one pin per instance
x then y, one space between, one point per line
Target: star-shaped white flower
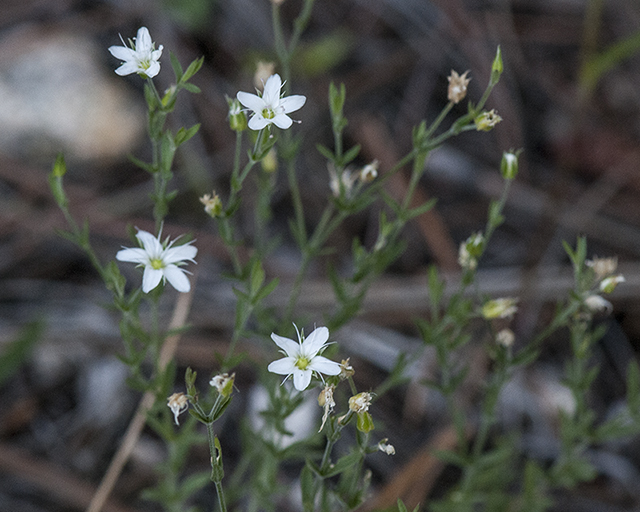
302 359
270 107
160 261
141 58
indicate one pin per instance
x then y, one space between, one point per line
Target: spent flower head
139 57
457 86
270 107
602 267
346 370
470 251
369 172
505 338
385 447
500 308
303 357
360 402
223 383
487 120
160 260
212 204
326 401
178 403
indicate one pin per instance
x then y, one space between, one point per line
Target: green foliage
16 353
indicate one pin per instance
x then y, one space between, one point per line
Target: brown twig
180 313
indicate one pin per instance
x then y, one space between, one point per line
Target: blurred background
569 97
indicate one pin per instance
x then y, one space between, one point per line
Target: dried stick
180 313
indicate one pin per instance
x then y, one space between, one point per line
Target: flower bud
264 69
269 163
609 284
509 165
237 117
365 422
497 66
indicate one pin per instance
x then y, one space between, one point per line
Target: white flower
302 359
141 58
160 261
270 107
178 403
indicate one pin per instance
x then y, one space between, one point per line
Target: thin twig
180 313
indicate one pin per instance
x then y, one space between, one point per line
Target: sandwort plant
495 474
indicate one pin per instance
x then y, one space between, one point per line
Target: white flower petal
177 278
271 94
323 365
180 253
150 279
122 52
284 366
301 379
127 68
292 103
251 101
291 348
149 242
257 122
143 41
315 341
153 69
282 121
132 255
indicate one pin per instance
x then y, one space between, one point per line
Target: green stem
216 469
296 197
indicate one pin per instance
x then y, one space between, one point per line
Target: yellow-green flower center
302 363
156 263
267 113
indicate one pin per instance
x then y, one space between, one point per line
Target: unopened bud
609 284
509 165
